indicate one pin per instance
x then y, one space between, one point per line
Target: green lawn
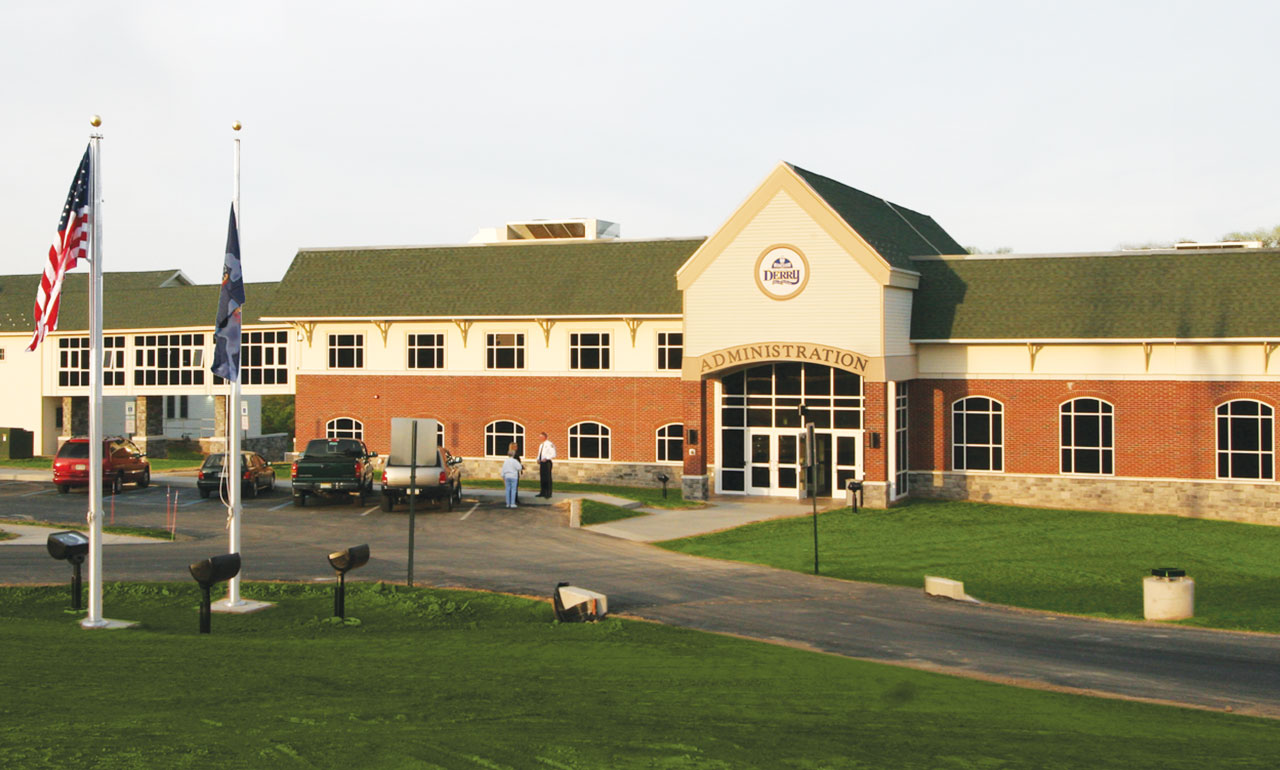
438 679
161 534
595 512
650 498
1079 562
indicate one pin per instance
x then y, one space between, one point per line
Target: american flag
70 245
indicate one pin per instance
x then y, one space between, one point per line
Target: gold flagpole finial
235 126
95 121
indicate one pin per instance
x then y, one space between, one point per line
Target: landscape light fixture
343 562
72 547
213 570
664 478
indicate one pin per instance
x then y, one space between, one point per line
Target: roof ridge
914 229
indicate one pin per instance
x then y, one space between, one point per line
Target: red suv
121 462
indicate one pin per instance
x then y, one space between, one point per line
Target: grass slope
651 498
596 512
435 679
1078 562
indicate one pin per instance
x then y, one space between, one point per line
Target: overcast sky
1040 126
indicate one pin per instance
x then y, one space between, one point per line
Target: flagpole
233 417
94 618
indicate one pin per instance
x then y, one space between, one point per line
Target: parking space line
39 492
281 505
468 513
371 510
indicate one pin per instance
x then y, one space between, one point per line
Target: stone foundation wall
272 446
621 474
1229 501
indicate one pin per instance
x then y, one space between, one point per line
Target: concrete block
594 604
946 587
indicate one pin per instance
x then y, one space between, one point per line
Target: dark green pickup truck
331 467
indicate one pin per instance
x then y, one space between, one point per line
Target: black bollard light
664 478
343 562
213 570
72 547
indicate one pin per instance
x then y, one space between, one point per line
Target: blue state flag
226 335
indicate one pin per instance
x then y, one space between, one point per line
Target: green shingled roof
129 301
530 279
895 232
1153 295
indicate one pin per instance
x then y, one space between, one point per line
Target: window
588 441
902 478
504 351
264 358
501 434
1087 427
346 351
426 351
670 350
1246 440
671 443
589 351
1 354
175 407
73 361
168 359
977 434
344 427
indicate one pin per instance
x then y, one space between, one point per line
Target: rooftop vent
1193 245
548 229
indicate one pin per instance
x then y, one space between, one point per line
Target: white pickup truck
437 475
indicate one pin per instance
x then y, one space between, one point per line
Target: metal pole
233 418
94 618
413 484
76 586
813 495
205 609
340 596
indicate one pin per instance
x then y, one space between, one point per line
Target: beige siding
840 306
897 321
1201 361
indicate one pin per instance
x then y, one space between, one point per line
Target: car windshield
212 462
75 449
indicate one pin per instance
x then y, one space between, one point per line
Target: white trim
469 317
1085 254
1217 453
1092 340
1100 449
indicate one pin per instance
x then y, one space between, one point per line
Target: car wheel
271 483
64 488
204 492
448 500
117 484
457 491
253 488
388 502
359 496
145 480
299 500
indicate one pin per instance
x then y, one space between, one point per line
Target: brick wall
1163 429
633 408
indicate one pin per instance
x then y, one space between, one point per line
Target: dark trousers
544 477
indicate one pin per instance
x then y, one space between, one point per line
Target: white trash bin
1168 594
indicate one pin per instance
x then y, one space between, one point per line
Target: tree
1270 238
277 414
980 250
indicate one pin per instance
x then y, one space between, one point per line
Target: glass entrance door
773 463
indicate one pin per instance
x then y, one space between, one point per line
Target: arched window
344 427
1246 440
500 434
1087 427
671 443
588 441
977 434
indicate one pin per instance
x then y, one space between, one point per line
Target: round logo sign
782 272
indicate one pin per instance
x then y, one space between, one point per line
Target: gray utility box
15 444
402 440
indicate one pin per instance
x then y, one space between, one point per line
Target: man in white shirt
546 453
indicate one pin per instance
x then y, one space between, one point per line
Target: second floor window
168 359
589 351
670 350
426 351
504 351
73 361
346 351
